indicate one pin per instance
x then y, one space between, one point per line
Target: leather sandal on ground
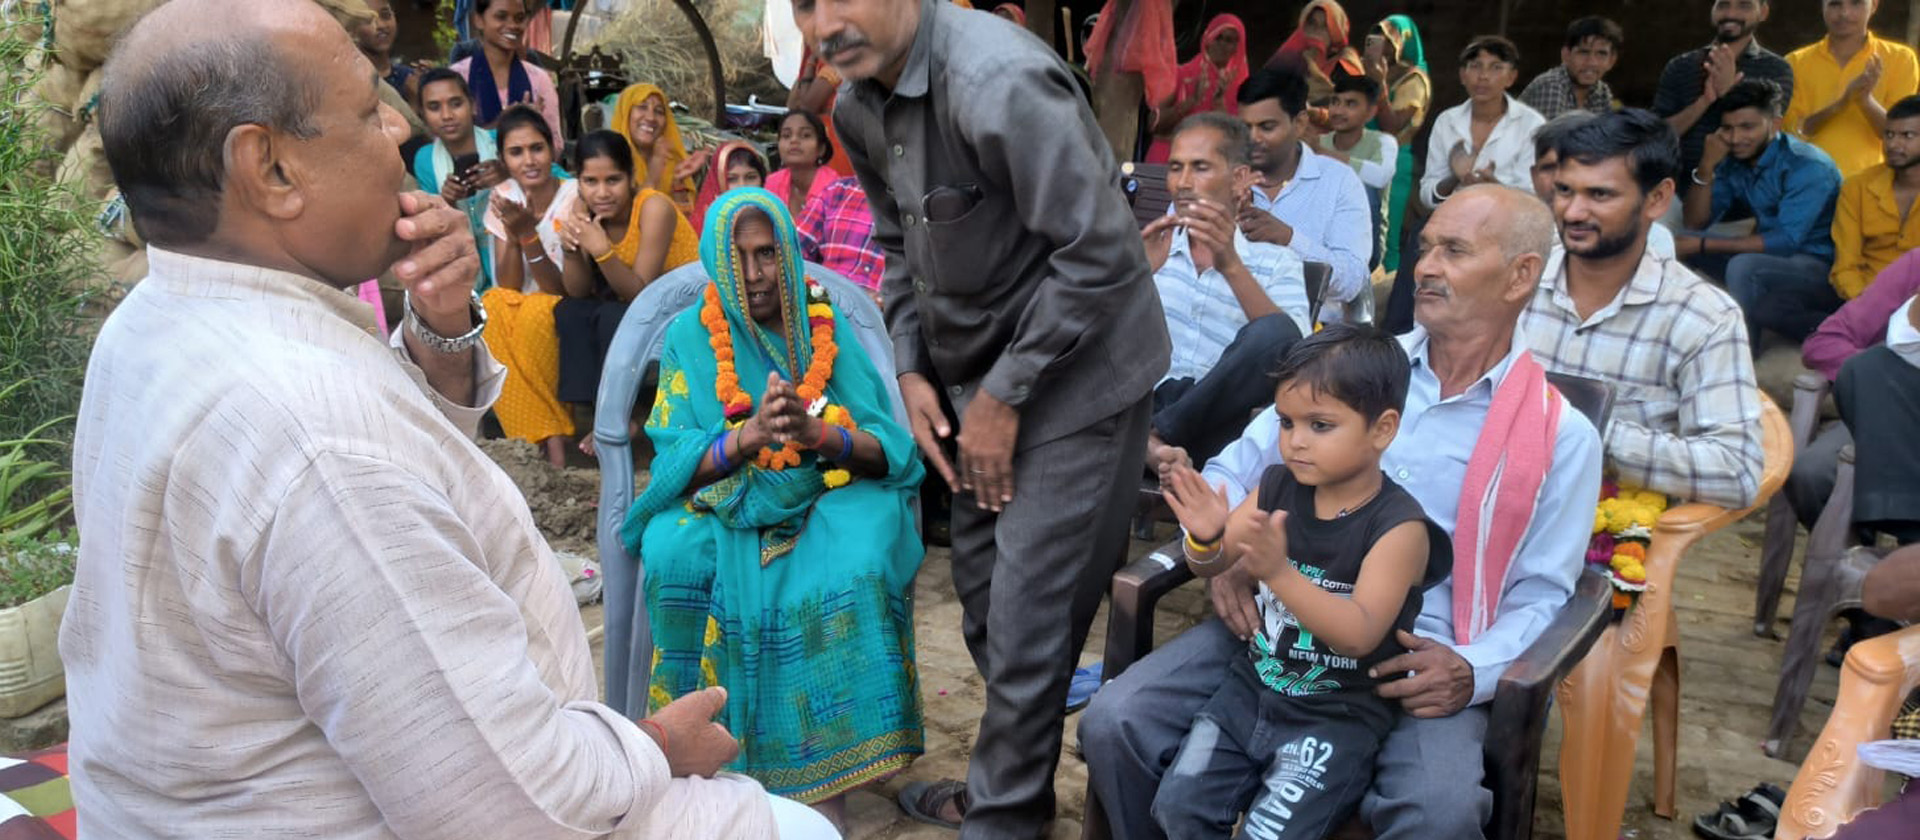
923 801
1751 817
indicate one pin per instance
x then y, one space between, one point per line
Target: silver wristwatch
443 344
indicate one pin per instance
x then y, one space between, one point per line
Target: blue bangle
846 443
719 452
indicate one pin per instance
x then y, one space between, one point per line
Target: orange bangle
604 257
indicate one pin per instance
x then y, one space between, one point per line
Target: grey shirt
1030 280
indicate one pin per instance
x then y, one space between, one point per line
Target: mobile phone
463 166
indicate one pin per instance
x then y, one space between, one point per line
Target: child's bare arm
1354 626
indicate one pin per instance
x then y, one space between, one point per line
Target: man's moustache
830 47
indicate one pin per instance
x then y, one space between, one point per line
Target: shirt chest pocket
964 237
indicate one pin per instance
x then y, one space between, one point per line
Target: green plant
445 34
30 568
49 264
36 494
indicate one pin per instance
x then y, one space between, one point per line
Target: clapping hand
1201 509
518 220
1460 160
693 164
1863 84
1158 238
1211 228
1723 72
1263 548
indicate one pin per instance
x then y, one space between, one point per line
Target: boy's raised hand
1263 547
1202 510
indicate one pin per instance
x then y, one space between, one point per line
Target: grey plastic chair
636 347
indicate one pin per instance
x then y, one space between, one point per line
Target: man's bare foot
835 810
556 449
586 446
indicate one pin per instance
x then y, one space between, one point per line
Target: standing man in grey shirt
1016 289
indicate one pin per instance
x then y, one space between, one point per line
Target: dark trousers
1204 416
1879 398
1426 777
1029 580
1894 820
1790 295
1296 766
1398 319
586 327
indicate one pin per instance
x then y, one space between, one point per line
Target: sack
85 166
59 87
84 31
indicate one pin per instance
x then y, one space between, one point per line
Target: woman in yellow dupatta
618 239
642 115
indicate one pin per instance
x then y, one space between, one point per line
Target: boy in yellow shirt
1843 83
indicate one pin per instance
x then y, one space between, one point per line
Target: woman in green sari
777 531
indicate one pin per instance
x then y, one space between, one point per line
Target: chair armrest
1808 390
1137 588
1518 717
1833 784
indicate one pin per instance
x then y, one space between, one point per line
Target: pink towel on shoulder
370 292
1501 491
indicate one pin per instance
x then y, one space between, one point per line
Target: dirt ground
1726 685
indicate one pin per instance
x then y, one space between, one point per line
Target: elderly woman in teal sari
778 530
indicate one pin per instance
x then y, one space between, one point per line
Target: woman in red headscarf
1318 45
1210 81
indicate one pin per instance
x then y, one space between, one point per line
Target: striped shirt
1686 416
1203 315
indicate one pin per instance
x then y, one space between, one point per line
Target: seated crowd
1386 522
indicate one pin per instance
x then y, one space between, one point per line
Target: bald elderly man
306 604
1481 258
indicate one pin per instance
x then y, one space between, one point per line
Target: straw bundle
657 44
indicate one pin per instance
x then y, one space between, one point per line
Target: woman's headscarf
1200 72
1145 36
716 181
1338 36
1400 31
791 354
1013 11
669 134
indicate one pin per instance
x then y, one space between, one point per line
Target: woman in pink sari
1319 44
1210 81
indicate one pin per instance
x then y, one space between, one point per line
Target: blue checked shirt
1203 315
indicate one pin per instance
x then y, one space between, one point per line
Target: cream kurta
308 606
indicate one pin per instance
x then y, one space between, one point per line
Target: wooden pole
1040 20
1116 96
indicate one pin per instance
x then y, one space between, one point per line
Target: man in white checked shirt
1686 420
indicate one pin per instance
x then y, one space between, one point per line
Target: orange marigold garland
812 388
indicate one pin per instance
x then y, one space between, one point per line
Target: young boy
1372 154
1342 554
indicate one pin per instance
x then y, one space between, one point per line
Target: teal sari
1414 52
795 597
